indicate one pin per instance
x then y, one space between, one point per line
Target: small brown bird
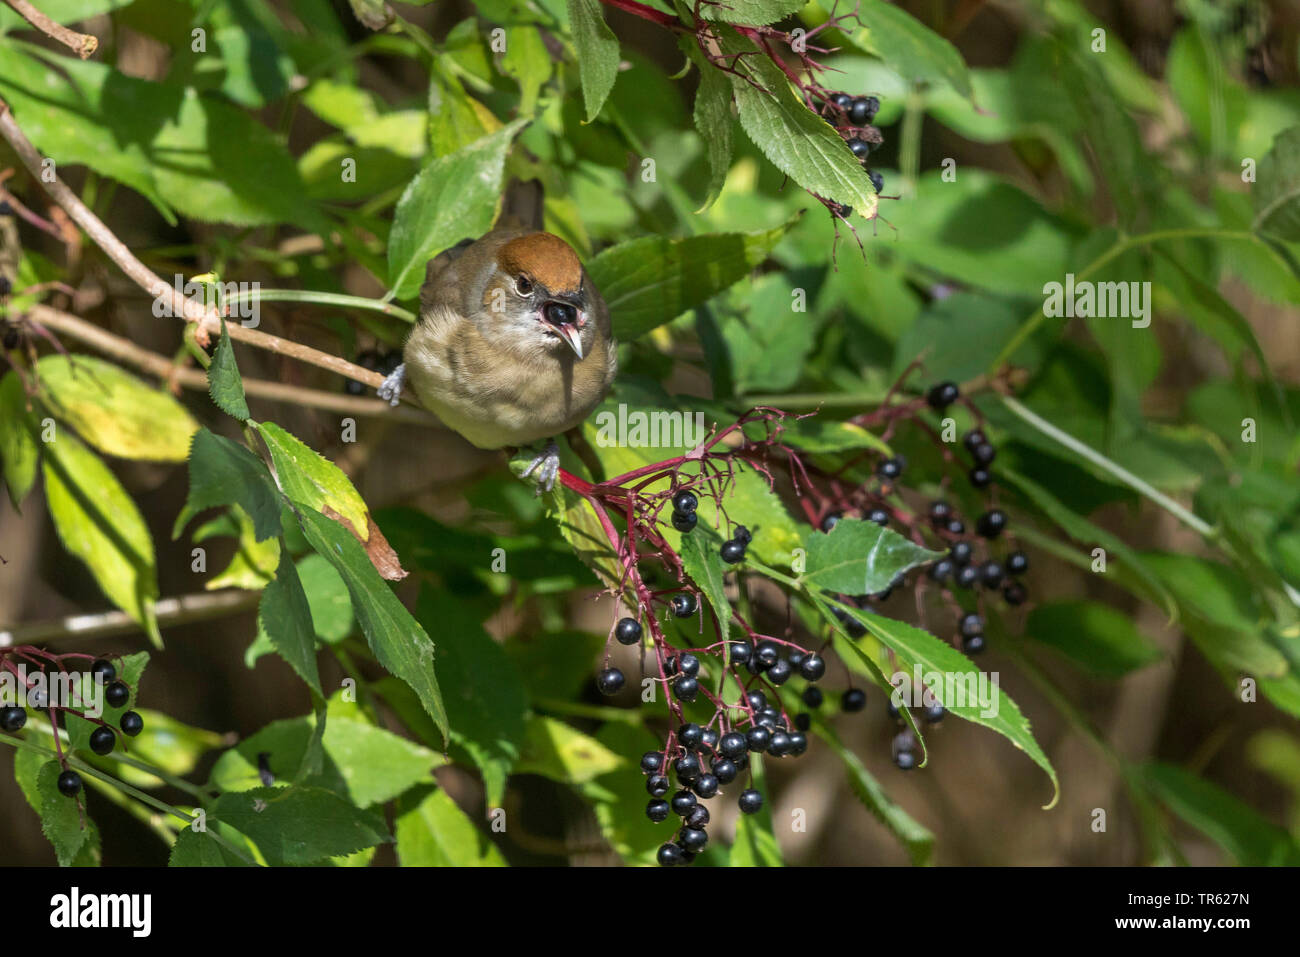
512 345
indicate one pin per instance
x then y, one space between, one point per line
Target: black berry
102 740
758 738
992 523
860 148
131 724
973 645
732 552
117 694
940 511
699 816
830 521
750 801
877 181
687 768
690 736
780 672
971 625
725 770
961 553
658 810
686 688
706 786
942 395
732 744
879 516
12 719
627 631
740 652
103 670
863 110
684 604
973 439
683 801
69 783
1014 593
813 697
1017 563
984 453
854 699
742 535
991 574
980 477
693 838
941 570
610 681
813 667
657 785
684 521
685 501
890 469
967 576
670 855
651 762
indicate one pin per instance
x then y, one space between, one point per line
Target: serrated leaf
399 643
223 472
113 411
652 280
433 832
915 838
1094 636
751 13
225 384
99 523
200 849
300 825
860 558
18 448
453 198
527 60
1277 189
941 665
597 53
60 818
910 47
714 120
797 141
699 551
254 563
311 480
285 617
485 698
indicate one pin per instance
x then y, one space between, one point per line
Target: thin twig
205 318
124 350
170 611
82 44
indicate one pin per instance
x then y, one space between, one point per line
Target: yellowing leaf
114 411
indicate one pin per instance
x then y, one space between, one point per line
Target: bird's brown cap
544 258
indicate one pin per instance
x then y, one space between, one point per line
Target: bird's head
541 295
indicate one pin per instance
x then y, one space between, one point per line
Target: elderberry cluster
103 739
703 759
851 116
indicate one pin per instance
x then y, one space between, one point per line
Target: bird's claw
391 387
549 462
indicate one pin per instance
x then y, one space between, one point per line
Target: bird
513 343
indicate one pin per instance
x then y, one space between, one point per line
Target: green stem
322 299
772 573
1114 468
811 400
1038 316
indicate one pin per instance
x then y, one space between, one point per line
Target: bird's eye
524 285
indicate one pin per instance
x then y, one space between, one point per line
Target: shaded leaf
597 53
299 825
860 558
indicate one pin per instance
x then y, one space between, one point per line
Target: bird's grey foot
547 466
391 387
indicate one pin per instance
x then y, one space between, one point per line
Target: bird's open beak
570 330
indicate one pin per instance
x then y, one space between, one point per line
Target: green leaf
398 641
311 480
17 443
285 617
797 141
714 119
915 838
1092 635
223 472
751 13
597 53
652 280
99 523
200 849
955 682
528 61
225 385
254 563
1277 191
331 608
910 47
113 411
60 819
452 198
299 825
702 560
619 798
433 832
168 142
755 844
165 743
455 119
557 751
358 761
1086 533
1251 840
485 698
958 336
860 558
